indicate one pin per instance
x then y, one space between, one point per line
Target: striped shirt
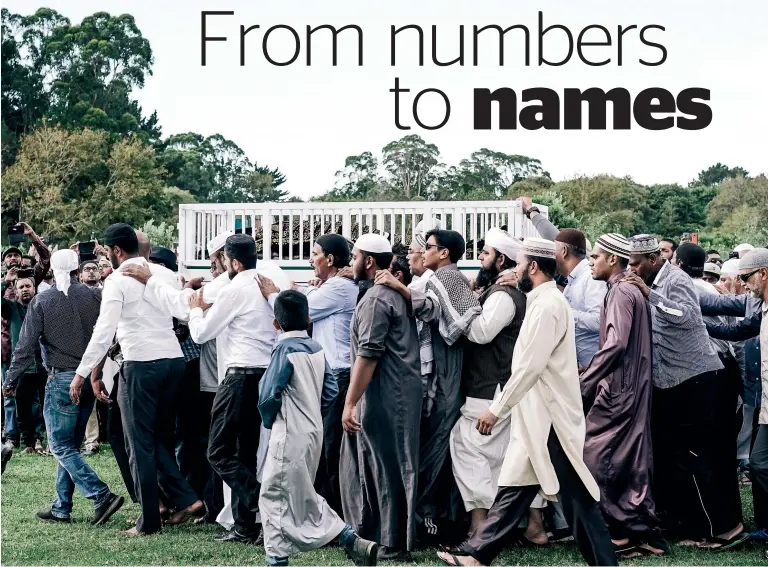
681 345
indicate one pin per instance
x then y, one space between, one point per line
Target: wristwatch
530 210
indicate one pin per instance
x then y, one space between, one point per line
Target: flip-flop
454 557
639 550
726 544
524 542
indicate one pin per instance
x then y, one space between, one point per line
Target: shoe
236 537
47 515
362 551
91 450
196 510
39 445
105 511
385 553
760 535
7 454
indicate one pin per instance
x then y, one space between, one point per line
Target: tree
673 209
410 161
716 174
71 184
357 180
740 203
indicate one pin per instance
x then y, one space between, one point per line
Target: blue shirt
585 296
331 307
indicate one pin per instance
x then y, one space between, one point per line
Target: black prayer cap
122 235
241 247
164 256
692 257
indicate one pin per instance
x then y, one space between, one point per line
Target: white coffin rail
290 246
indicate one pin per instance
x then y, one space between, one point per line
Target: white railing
286 232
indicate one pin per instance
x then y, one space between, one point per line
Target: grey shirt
209 377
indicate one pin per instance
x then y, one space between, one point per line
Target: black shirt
61 324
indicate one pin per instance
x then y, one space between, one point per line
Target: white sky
307 120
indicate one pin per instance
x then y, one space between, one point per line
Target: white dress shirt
498 312
144 332
263 268
331 307
241 322
585 295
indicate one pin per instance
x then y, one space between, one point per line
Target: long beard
525 283
485 277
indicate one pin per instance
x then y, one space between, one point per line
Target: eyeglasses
745 277
430 246
91 269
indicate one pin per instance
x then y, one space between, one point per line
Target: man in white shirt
149 377
241 321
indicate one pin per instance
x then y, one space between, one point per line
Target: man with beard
685 405
380 447
667 248
399 266
616 388
543 402
105 268
89 273
149 378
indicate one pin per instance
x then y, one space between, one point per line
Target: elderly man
685 405
543 401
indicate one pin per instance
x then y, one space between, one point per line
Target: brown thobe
617 388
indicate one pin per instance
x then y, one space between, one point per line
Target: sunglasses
745 277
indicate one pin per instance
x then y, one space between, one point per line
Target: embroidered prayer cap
373 243
643 244
710 268
730 267
743 248
504 242
539 247
217 242
572 236
424 226
122 235
754 260
615 244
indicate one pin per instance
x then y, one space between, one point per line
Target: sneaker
47 516
236 537
105 511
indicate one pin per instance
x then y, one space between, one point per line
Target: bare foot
688 543
132 532
197 509
535 532
456 560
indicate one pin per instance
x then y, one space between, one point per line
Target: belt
247 370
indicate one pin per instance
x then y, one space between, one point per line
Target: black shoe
393 554
237 537
363 552
48 516
105 511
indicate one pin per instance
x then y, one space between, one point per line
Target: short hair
672 242
400 262
123 236
292 311
546 265
242 248
337 246
451 241
30 278
713 251
382 259
32 260
623 262
81 267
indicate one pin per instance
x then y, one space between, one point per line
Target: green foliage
716 174
160 234
559 214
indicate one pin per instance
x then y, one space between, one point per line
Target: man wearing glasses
89 274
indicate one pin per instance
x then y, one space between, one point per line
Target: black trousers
213 491
190 453
30 394
510 507
327 480
147 399
116 439
694 449
758 465
233 443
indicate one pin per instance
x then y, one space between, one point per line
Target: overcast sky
307 120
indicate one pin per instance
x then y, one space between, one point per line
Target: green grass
27 486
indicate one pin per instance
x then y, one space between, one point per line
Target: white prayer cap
730 267
615 244
589 245
217 242
504 242
744 248
63 262
539 247
425 225
754 260
644 244
373 243
710 268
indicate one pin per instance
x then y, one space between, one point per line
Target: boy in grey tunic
297 388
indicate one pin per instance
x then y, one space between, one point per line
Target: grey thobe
380 463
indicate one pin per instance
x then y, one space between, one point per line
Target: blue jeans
66 422
9 411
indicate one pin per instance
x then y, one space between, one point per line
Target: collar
615 279
448 267
662 272
541 289
293 335
578 270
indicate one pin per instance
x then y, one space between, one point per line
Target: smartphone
16 235
85 249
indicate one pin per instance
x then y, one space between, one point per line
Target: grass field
27 486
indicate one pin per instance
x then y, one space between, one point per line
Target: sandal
725 544
454 558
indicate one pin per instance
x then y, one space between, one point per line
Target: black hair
451 241
623 262
123 236
337 246
400 262
82 265
713 251
292 311
242 248
672 242
546 265
382 259
691 259
32 260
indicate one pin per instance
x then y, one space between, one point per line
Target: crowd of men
613 393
